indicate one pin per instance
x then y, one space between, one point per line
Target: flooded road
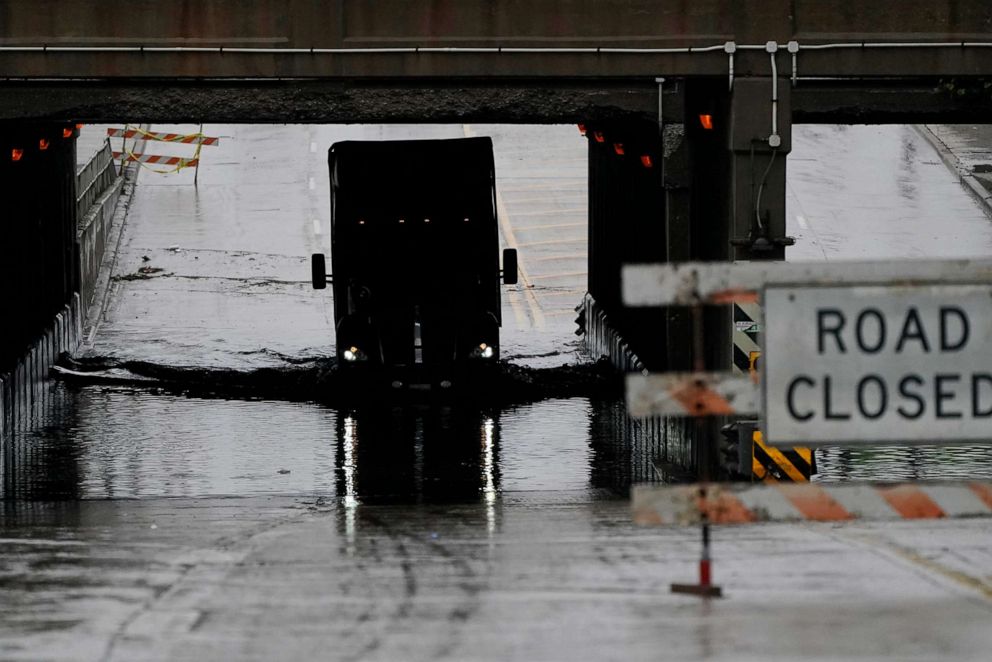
147 524
100 442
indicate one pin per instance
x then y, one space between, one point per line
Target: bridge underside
451 100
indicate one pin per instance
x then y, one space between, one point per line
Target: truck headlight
353 354
483 351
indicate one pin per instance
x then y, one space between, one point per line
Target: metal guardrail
93 179
604 340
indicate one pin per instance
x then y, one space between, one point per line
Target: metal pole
196 172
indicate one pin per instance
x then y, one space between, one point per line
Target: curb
950 159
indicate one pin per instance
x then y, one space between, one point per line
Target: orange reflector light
67 133
43 144
646 161
582 129
16 154
598 135
706 121
618 148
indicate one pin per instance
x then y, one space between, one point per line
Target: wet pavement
144 523
226 262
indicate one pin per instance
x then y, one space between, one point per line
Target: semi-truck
415 260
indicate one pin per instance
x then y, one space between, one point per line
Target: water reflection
431 454
110 443
894 463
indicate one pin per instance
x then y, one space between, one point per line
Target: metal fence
94 178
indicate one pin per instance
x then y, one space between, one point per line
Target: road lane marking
316 227
926 566
564 274
560 258
551 242
551 226
311 183
550 212
532 303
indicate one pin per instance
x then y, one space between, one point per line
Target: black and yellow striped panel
746 336
774 465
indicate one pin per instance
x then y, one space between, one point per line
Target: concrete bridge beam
759 140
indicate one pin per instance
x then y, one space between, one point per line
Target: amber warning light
706 121
43 144
16 154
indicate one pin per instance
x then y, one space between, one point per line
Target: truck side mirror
318 271
509 266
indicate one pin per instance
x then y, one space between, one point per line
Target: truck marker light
598 135
582 129
618 148
67 133
78 127
646 161
43 144
16 154
706 121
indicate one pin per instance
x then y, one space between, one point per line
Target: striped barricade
186 139
179 161
175 163
743 504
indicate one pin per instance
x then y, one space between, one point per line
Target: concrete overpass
752 66
507 60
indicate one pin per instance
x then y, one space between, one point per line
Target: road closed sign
876 364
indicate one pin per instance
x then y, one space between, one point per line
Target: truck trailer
415 260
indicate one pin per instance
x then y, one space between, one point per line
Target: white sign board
875 364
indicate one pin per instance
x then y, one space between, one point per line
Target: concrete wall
670 441
24 385
46 258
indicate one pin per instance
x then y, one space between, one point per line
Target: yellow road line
963 579
577 255
511 241
560 275
550 212
528 228
551 242
543 199
545 294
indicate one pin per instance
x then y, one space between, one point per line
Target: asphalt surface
139 525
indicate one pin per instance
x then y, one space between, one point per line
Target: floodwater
109 442
232 292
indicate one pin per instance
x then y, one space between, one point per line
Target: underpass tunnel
636 193
38 268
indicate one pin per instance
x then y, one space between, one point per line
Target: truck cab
415 258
